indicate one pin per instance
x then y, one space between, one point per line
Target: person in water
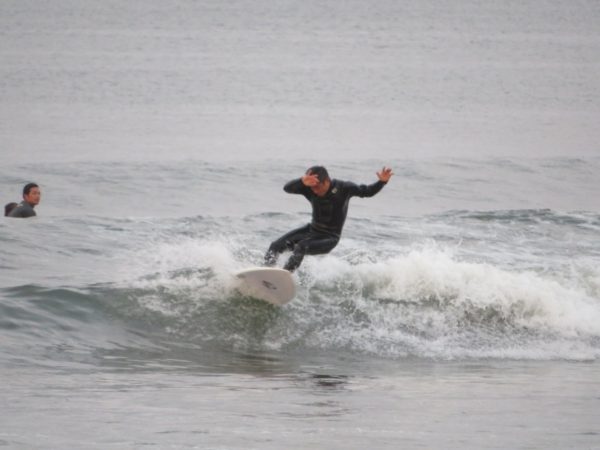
31 198
329 199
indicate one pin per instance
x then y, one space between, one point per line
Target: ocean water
461 308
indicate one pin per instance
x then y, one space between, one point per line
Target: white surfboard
270 284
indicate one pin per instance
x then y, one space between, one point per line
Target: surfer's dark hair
28 187
320 172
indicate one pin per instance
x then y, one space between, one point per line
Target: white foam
425 302
175 277
429 302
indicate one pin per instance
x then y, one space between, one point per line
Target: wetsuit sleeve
364 190
295 187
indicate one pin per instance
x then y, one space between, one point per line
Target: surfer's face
321 188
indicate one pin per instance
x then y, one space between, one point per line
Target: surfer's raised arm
295 186
364 190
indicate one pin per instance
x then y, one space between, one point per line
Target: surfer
31 198
329 199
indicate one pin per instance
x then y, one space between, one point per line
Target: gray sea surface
86 79
461 309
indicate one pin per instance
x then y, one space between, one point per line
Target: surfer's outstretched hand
385 174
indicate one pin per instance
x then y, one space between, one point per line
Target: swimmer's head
32 194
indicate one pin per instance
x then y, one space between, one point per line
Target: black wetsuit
23 210
328 217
